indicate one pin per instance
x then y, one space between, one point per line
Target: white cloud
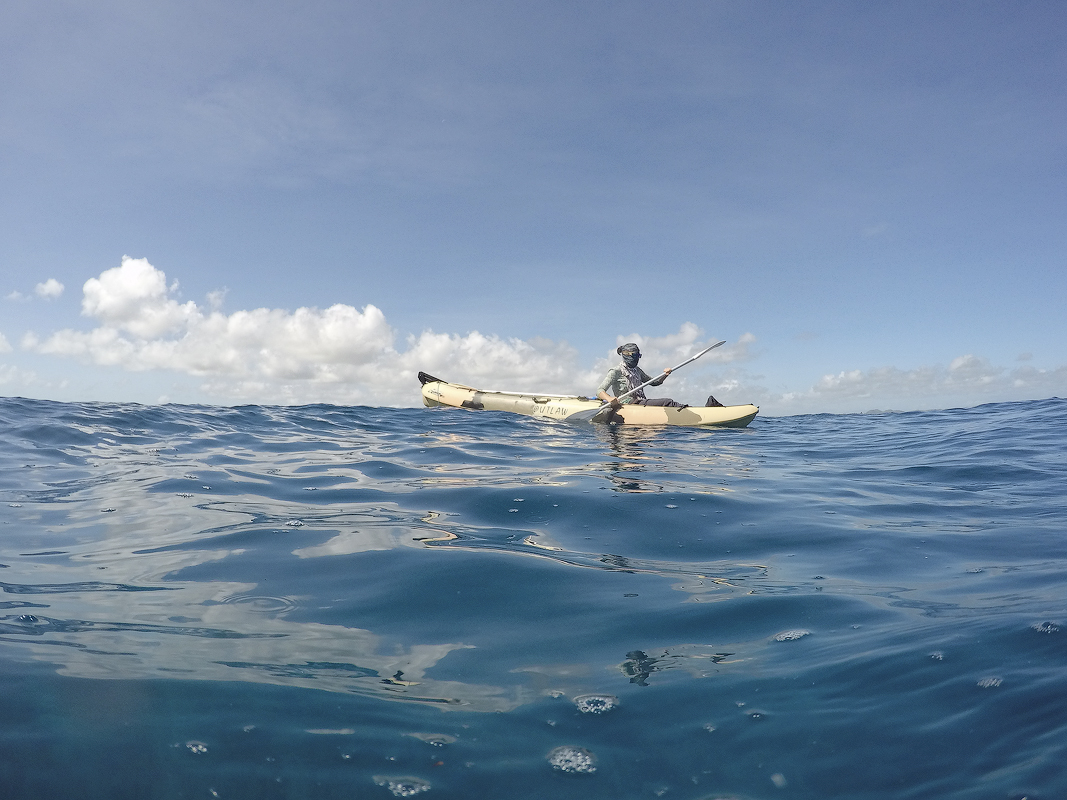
967 380
16 297
5 345
347 355
51 288
339 354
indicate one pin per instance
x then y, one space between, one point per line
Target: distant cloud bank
346 355
339 354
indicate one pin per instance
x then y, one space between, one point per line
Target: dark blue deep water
326 602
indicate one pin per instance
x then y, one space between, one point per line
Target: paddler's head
630 353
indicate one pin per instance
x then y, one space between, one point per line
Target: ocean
329 602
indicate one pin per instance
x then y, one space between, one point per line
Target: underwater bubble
512 510
669 505
402 786
575 760
14 505
937 655
991 682
196 747
436 739
778 779
1045 627
793 635
709 727
106 510
184 494
596 703
518 500
295 523
311 488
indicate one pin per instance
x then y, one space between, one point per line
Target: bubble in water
402 786
709 728
196 747
937 655
184 494
669 505
991 682
14 505
295 523
596 703
789 636
436 739
1045 627
106 510
575 760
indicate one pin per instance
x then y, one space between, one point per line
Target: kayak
436 392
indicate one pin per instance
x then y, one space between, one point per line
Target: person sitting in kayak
626 376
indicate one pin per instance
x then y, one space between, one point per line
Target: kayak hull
561 407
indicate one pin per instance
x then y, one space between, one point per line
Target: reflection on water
683 611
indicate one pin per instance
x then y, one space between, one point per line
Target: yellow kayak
436 392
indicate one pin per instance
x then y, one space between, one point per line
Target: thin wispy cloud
966 380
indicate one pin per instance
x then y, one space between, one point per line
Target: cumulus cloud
688 341
5 345
51 288
340 354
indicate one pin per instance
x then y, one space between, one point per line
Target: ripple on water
596 703
1045 627
574 760
264 604
402 786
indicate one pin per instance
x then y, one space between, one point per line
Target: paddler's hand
615 404
667 371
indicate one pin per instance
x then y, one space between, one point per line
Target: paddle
591 414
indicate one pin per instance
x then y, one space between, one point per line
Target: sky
275 202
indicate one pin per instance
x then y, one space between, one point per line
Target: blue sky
280 202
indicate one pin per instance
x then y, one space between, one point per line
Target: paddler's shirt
618 383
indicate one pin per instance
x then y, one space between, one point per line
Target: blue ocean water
325 602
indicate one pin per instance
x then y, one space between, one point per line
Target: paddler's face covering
630 354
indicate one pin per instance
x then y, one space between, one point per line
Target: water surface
326 602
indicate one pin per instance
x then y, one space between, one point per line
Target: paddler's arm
607 398
661 378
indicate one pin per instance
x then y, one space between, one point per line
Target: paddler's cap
629 349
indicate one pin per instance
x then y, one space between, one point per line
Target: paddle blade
602 414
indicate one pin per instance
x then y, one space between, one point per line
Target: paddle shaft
666 372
